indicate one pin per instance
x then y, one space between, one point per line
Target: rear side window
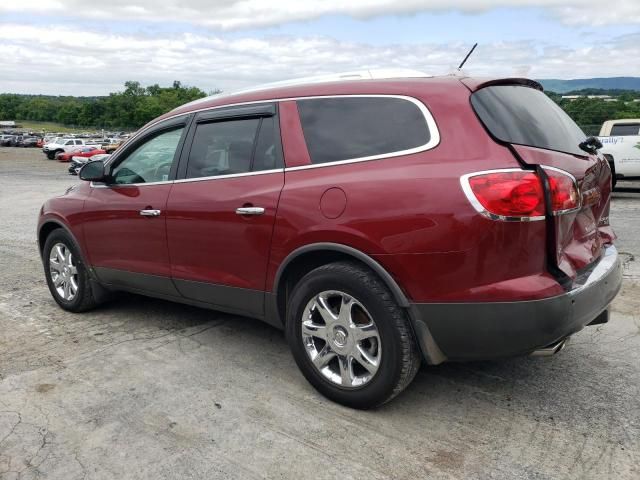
625 129
526 116
347 128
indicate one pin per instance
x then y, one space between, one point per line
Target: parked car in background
15 140
380 223
78 162
27 142
6 140
621 146
64 145
110 145
85 152
44 140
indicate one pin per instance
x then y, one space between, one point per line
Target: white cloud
236 14
65 60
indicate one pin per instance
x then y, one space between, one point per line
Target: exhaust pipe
550 350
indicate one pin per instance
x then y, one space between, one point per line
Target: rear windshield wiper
590 145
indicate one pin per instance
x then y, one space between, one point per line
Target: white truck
61 144
621 147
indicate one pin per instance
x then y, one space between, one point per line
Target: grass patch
51 127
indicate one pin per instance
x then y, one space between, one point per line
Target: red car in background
380 223
82 152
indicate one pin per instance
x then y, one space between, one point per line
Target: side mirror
93 171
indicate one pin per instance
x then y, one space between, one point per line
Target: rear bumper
477 331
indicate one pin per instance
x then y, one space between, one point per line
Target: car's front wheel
349 337
66 273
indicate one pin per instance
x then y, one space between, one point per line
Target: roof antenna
468 55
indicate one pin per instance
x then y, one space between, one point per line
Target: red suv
378 222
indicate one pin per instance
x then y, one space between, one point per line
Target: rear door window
526 116
625 129
231 147
348 128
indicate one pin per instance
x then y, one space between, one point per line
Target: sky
90 47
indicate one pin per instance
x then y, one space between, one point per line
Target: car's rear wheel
66 273
349 337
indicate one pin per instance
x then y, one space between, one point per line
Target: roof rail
375 74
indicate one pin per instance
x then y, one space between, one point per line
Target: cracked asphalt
146 389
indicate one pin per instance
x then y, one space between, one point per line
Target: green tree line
591 113
136 105
129 109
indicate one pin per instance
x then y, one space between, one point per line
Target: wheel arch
308 257
49 226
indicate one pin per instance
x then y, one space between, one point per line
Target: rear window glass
355 127
624 129
526 116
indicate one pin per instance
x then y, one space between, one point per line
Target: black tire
84 298
612 167
51 155
400 356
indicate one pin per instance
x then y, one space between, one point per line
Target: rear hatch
540 133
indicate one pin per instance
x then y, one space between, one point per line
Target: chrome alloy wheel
341 339
64 273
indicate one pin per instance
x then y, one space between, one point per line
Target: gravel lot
142 388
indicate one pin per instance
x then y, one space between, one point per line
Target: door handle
250 211
150 213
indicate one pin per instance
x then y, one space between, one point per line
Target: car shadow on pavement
562 386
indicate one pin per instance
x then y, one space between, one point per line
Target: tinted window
149 162
625 129
526 116
355 127
267 155
222 148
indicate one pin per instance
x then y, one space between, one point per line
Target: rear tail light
518 195
564 191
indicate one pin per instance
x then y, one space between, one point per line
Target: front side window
230 147
149 162
346 128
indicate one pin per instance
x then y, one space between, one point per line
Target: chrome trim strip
187 180
120 185
232 175
434 139
466 188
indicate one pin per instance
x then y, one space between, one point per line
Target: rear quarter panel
410 214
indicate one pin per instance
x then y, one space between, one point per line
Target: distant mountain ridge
609 83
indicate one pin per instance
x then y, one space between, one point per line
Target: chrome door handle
150 213
250 211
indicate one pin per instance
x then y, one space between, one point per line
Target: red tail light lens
518 194
564 192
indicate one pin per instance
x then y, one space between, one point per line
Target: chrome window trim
466 188
119 185
231 175
434 138
188 180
